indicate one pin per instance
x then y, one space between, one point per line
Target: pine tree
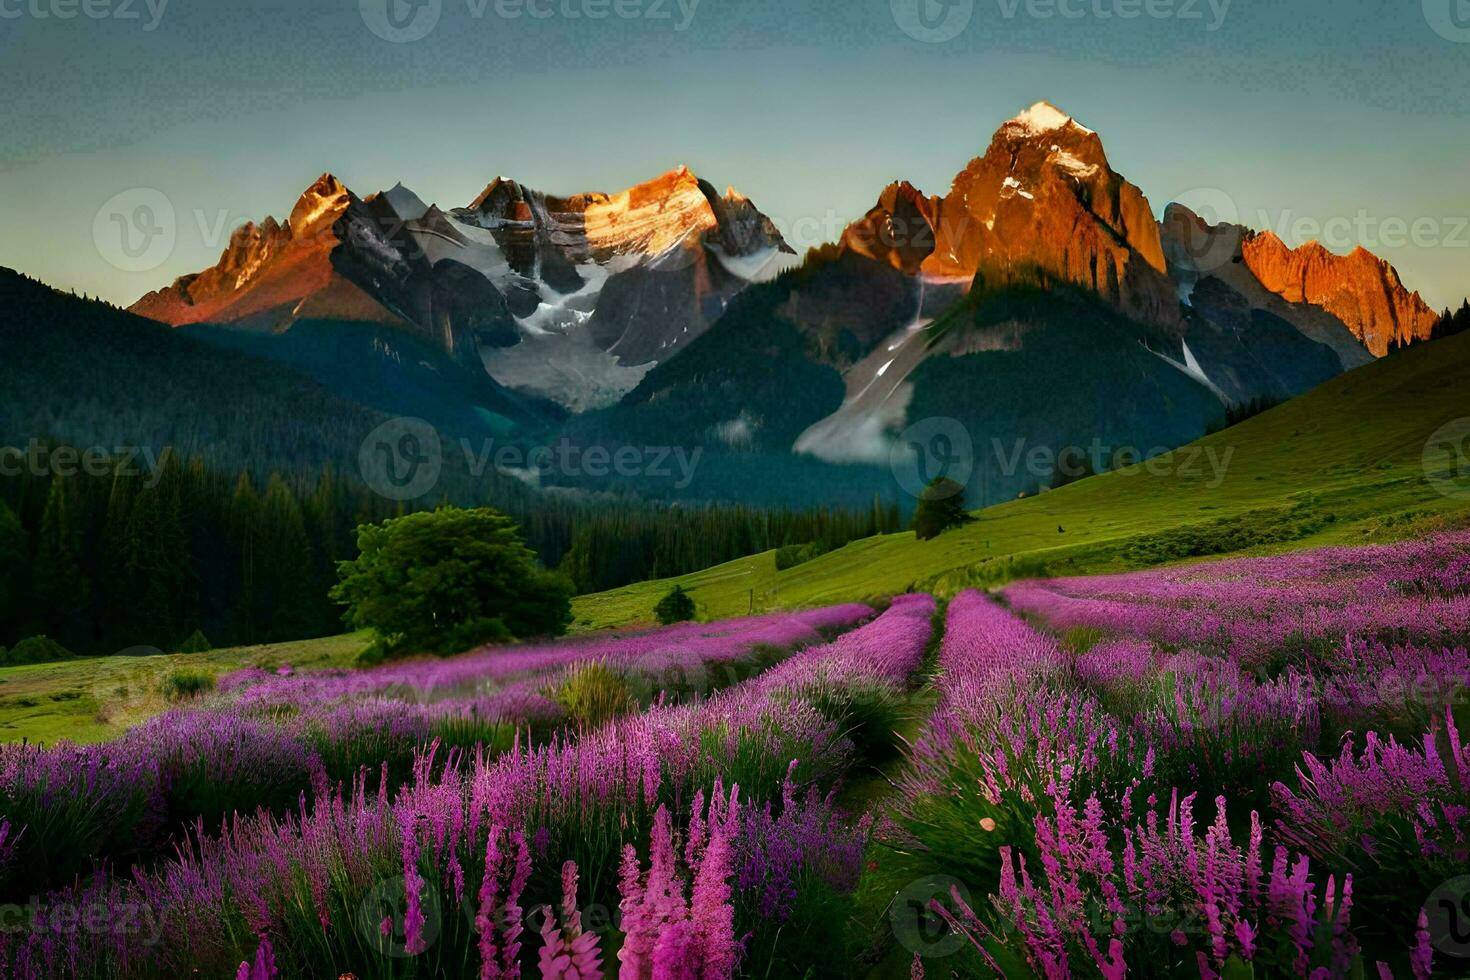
114 586
61 590
285 552
676 607
241 532
14 548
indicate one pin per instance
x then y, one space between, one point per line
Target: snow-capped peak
1043 117
327 197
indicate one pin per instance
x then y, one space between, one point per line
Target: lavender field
1242 768
1232 769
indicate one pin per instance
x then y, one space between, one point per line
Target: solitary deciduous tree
941 507
447 580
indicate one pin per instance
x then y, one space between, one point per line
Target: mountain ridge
1039 298
544 293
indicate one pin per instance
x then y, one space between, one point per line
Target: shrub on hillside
185 682
1227 534
446 580
196 642
941 507
35 650
676 607
799 554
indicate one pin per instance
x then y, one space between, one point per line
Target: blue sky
1344 120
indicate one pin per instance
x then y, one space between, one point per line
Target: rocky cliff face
1042 200
1043 206
899 231
1199 252
570 299
273 273
1360 289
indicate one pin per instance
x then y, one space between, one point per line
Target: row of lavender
265 738
680 841
1311 706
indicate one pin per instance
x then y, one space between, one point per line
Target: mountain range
1039 299
567 299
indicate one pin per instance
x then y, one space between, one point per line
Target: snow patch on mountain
1043 117
1192 368
875 409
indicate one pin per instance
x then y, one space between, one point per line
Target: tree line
617 546
1449 324
149 556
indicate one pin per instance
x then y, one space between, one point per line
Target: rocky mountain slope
567 299
1042 198
1360 289
1038 300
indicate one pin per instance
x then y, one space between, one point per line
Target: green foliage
185 682
1238 413
183 549
869 716
617 546
445 580
941 508
36 650
592 694
675 607
67 824
1080 639
164 552
14 552
195 642
58 584
799 554
1257 527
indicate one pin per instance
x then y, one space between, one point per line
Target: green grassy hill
1343 463
94 699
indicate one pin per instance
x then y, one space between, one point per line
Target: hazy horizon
1327 121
